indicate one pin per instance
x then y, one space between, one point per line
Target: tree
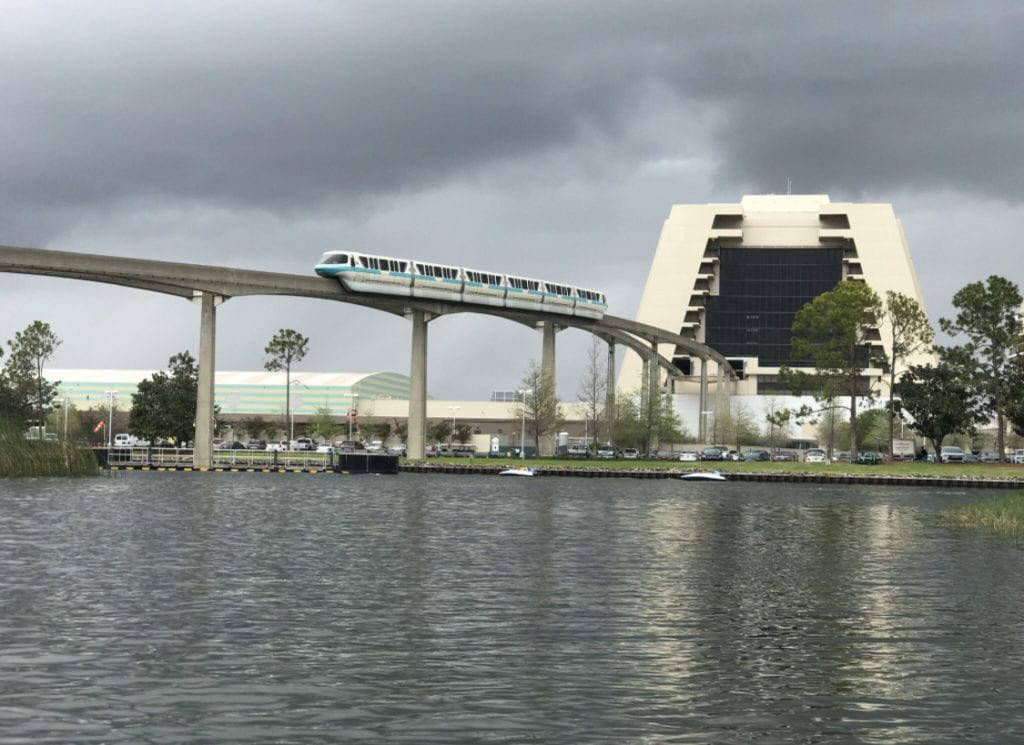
323 424
634 427
778 426
539 405
375 429
939 401
30 350
400 429
593 389
743 425
1015 409
165 404
257 426
873 426
833 333
463 432
989 316
285 348
439 430
910 332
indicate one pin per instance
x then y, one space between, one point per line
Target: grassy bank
21 457
1003 515
944 470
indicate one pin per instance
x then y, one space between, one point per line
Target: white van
125 441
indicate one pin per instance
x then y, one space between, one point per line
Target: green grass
21 457
1003 515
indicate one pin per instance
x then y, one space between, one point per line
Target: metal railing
185 457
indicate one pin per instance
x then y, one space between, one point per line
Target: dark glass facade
760 292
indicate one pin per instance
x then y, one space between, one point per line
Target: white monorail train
390 276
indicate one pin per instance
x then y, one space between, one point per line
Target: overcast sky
545 139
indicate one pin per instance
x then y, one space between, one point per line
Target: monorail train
387 275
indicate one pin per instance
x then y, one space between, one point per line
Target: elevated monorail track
210 285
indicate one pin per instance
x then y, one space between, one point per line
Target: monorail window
436 270
523 284
336 259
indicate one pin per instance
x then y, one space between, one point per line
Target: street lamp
522 438
110 418
453 410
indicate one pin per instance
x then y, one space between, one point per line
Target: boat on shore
704 476
518 471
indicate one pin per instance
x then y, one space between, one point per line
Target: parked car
231 445
757 454
689 456
1018 456
869 458
989 456
279 445
842 457
125 441
325 447
785 456
630 453
970 457
951 454
713 453
350 446
608 452
815 455
398 449
256 445
304 443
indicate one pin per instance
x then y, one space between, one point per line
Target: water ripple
186 608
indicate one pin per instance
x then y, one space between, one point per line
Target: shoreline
803 477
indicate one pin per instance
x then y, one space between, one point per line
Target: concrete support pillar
654 395
609 394
547 369
547 355
417 423
702 426
203 452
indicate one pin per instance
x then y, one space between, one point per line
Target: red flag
99 426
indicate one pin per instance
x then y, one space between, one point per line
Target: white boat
520 471
703 476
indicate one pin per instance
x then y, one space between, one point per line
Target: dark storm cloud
288 107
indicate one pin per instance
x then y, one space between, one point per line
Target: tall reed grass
1003 515
21 457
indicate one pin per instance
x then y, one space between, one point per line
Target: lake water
288 608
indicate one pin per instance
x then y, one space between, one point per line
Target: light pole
522 437
110 417
453 410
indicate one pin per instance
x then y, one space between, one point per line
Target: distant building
733 276
245 393
381 396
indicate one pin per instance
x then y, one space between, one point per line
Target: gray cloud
545 138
